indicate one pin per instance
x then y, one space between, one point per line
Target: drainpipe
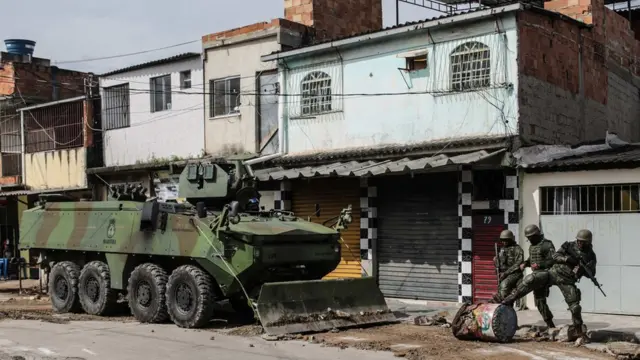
22 149
282 127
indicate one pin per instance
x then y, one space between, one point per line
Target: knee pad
575 309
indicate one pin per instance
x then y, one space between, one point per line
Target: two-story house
242 112
414 127
43 138
151 117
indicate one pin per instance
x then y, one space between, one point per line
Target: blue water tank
20 46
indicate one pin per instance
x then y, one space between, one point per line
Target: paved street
122 341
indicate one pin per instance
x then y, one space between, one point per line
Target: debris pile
565 333
435 320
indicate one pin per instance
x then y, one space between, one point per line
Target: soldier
508 264
540 258
564 274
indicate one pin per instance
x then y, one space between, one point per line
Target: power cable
127 54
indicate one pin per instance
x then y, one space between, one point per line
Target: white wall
236 133
530 194
174 133
425 109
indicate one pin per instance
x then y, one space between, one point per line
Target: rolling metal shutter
417 247
333 195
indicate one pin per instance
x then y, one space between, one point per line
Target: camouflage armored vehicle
174 261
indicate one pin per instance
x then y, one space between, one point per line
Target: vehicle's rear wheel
190 297
146 292
94 289
63 287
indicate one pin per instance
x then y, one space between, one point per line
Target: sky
69 30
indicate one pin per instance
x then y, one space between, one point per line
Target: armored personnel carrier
175 261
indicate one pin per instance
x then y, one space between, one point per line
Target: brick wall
577 81
336 18
36 82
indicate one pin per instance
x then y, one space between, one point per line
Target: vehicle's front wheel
146 293
190 297
63 287
94 289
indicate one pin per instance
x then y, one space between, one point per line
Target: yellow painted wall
56 169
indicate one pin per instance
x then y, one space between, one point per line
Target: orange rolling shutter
332 195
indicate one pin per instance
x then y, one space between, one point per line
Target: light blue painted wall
430 112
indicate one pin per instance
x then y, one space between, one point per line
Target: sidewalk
603 328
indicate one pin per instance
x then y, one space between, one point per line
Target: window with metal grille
316 93
11 145
470 66
160 93
115 107
590 199
225 96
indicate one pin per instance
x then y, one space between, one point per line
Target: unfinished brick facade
336 18
578 77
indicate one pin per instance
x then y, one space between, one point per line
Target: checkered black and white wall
465 234
368 224
282 197
510 205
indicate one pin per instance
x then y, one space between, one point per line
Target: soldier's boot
578 325
549 323
510 299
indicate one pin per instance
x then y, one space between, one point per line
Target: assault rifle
584 267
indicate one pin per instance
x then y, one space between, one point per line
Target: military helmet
531 230
584 235
506 235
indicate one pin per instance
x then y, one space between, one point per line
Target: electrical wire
127 54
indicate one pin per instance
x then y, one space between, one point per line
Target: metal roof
620 156
33 192
170 59
373 168
424 148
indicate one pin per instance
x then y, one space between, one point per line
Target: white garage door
617 247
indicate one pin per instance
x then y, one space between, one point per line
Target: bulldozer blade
320 305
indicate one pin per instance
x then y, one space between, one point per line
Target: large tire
146 292
63 287
190 297
94 289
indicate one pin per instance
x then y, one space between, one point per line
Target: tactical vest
536 252
508 256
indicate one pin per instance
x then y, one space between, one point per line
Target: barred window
160 93
115 107
590 199
316 93
470 66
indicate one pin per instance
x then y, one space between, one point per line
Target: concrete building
151 116
444 102
241 110
599 191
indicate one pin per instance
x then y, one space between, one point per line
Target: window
470 66
161 93
417 63
225 96
316 93
115 106
590 199
185 79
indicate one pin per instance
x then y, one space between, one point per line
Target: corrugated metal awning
373 168
33 192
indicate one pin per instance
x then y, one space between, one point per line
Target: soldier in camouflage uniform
564 274
540 258
508 264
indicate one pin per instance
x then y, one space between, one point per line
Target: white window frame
185 79
470 66
316 93
166 96
229 95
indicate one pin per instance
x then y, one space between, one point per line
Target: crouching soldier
564 274
508 262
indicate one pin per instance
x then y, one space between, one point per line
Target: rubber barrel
486 322
320 305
